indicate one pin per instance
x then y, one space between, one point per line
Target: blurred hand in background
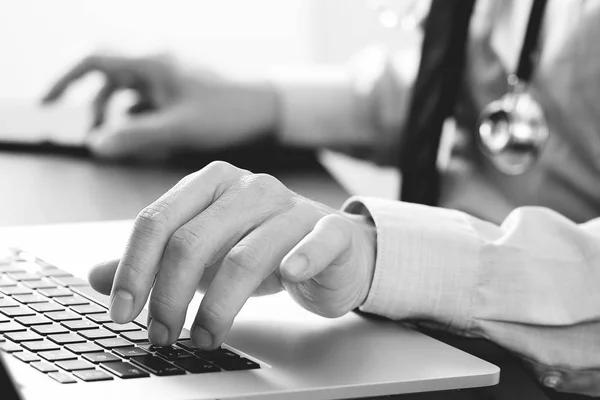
176 108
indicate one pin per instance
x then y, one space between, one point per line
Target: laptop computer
57 341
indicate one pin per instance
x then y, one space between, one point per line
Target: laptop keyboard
58 324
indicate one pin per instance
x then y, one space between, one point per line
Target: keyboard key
118 328
103 357
25 264
5 282
32 320
25 336
23 276
6 302
26 356
62 378
30 298
44 366
57 355
71 300
196 366
100 318
124 370
218 355
128 352
114 343
69 281
51 329
55 292
40 345
100 333
81 348
4 318
8 269
74 365
15 290
10 347
17 311
171 353
11 326
157 365
149 347
66 338
92 375
187 345
79 325
46 307
48 272
39 284
88 309
136 337
66 315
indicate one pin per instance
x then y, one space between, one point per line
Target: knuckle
244 259
264 183
162 305
220 168
188 179
304 207
133 267
185 242
152 220
212 317
262 186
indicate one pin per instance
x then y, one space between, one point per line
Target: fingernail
551 381
202 338
121 307
158 333
296 265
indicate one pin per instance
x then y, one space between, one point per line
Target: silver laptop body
301 355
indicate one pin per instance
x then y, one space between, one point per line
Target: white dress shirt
512 259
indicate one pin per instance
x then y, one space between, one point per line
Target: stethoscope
512 131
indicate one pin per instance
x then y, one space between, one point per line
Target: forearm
360 105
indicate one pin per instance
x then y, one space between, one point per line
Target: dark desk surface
41 189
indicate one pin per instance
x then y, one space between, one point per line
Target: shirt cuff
320 107
427 262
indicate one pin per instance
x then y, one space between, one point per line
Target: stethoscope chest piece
513 130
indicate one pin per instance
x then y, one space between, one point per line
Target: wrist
367 237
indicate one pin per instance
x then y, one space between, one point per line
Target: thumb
329 242
140 136
101 276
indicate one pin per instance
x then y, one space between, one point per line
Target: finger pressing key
242 271
151 232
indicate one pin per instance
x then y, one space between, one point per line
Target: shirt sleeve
361 105
529 284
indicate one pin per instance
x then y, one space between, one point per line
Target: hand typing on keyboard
234 234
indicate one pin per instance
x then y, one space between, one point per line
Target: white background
40 38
